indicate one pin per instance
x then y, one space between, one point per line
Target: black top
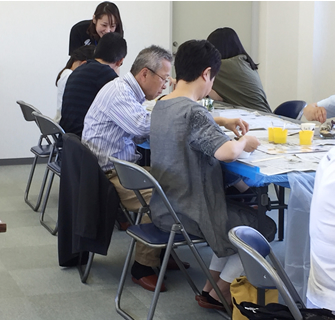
79 36
88 204
80 90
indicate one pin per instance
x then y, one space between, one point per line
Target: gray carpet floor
34 287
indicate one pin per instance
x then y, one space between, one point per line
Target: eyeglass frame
165 81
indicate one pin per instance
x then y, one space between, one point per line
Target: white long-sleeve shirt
60 90
329 105
321 281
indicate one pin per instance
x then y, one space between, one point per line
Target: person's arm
314 113
130 115
329 105
231 150
233 125
208 138
75 39
215 96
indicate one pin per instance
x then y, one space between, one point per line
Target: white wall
324 50
197 19
297 50
34 48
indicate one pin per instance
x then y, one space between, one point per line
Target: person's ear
120 63
94 19
141 77
206 73
144 73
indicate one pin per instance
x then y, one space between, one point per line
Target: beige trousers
144 255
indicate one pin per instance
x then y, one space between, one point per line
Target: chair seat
55 167
42 150
153 235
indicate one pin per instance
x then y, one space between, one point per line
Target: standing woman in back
105 19
238 82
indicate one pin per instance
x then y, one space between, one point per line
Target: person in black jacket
106 19
85 82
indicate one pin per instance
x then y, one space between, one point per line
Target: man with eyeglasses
116 123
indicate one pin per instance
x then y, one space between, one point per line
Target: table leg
281 217
263 206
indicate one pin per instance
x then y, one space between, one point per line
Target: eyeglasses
165 80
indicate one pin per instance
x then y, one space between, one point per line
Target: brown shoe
208 305
172 265
203 296
149 282
199 297
122 226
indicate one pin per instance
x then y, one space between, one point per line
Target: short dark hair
82 53
110 9
227 42
152 58
111 48
193 57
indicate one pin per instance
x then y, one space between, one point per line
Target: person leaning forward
115 123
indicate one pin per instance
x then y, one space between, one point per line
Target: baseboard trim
20 161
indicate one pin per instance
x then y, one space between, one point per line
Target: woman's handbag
242 290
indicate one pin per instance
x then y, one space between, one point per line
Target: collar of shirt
134 85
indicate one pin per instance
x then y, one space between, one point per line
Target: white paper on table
322 142
311 157
256 120
271 165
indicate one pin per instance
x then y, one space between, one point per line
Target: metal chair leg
206 271
120 311
84 274
184 271
161 276
29 182
54 230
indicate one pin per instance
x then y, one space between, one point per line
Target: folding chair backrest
253 249
134 177
48 126
292 109
27 110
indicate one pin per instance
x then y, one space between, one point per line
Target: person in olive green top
237 82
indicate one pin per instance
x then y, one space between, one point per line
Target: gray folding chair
292 109
40 151
134 177
253 249
49 128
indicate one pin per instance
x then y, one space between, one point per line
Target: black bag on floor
277 311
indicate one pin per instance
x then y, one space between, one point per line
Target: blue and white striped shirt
116 121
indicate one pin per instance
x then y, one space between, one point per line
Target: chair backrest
291 109
134 177
27 110
253 249
48 127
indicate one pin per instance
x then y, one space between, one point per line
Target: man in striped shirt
115 123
